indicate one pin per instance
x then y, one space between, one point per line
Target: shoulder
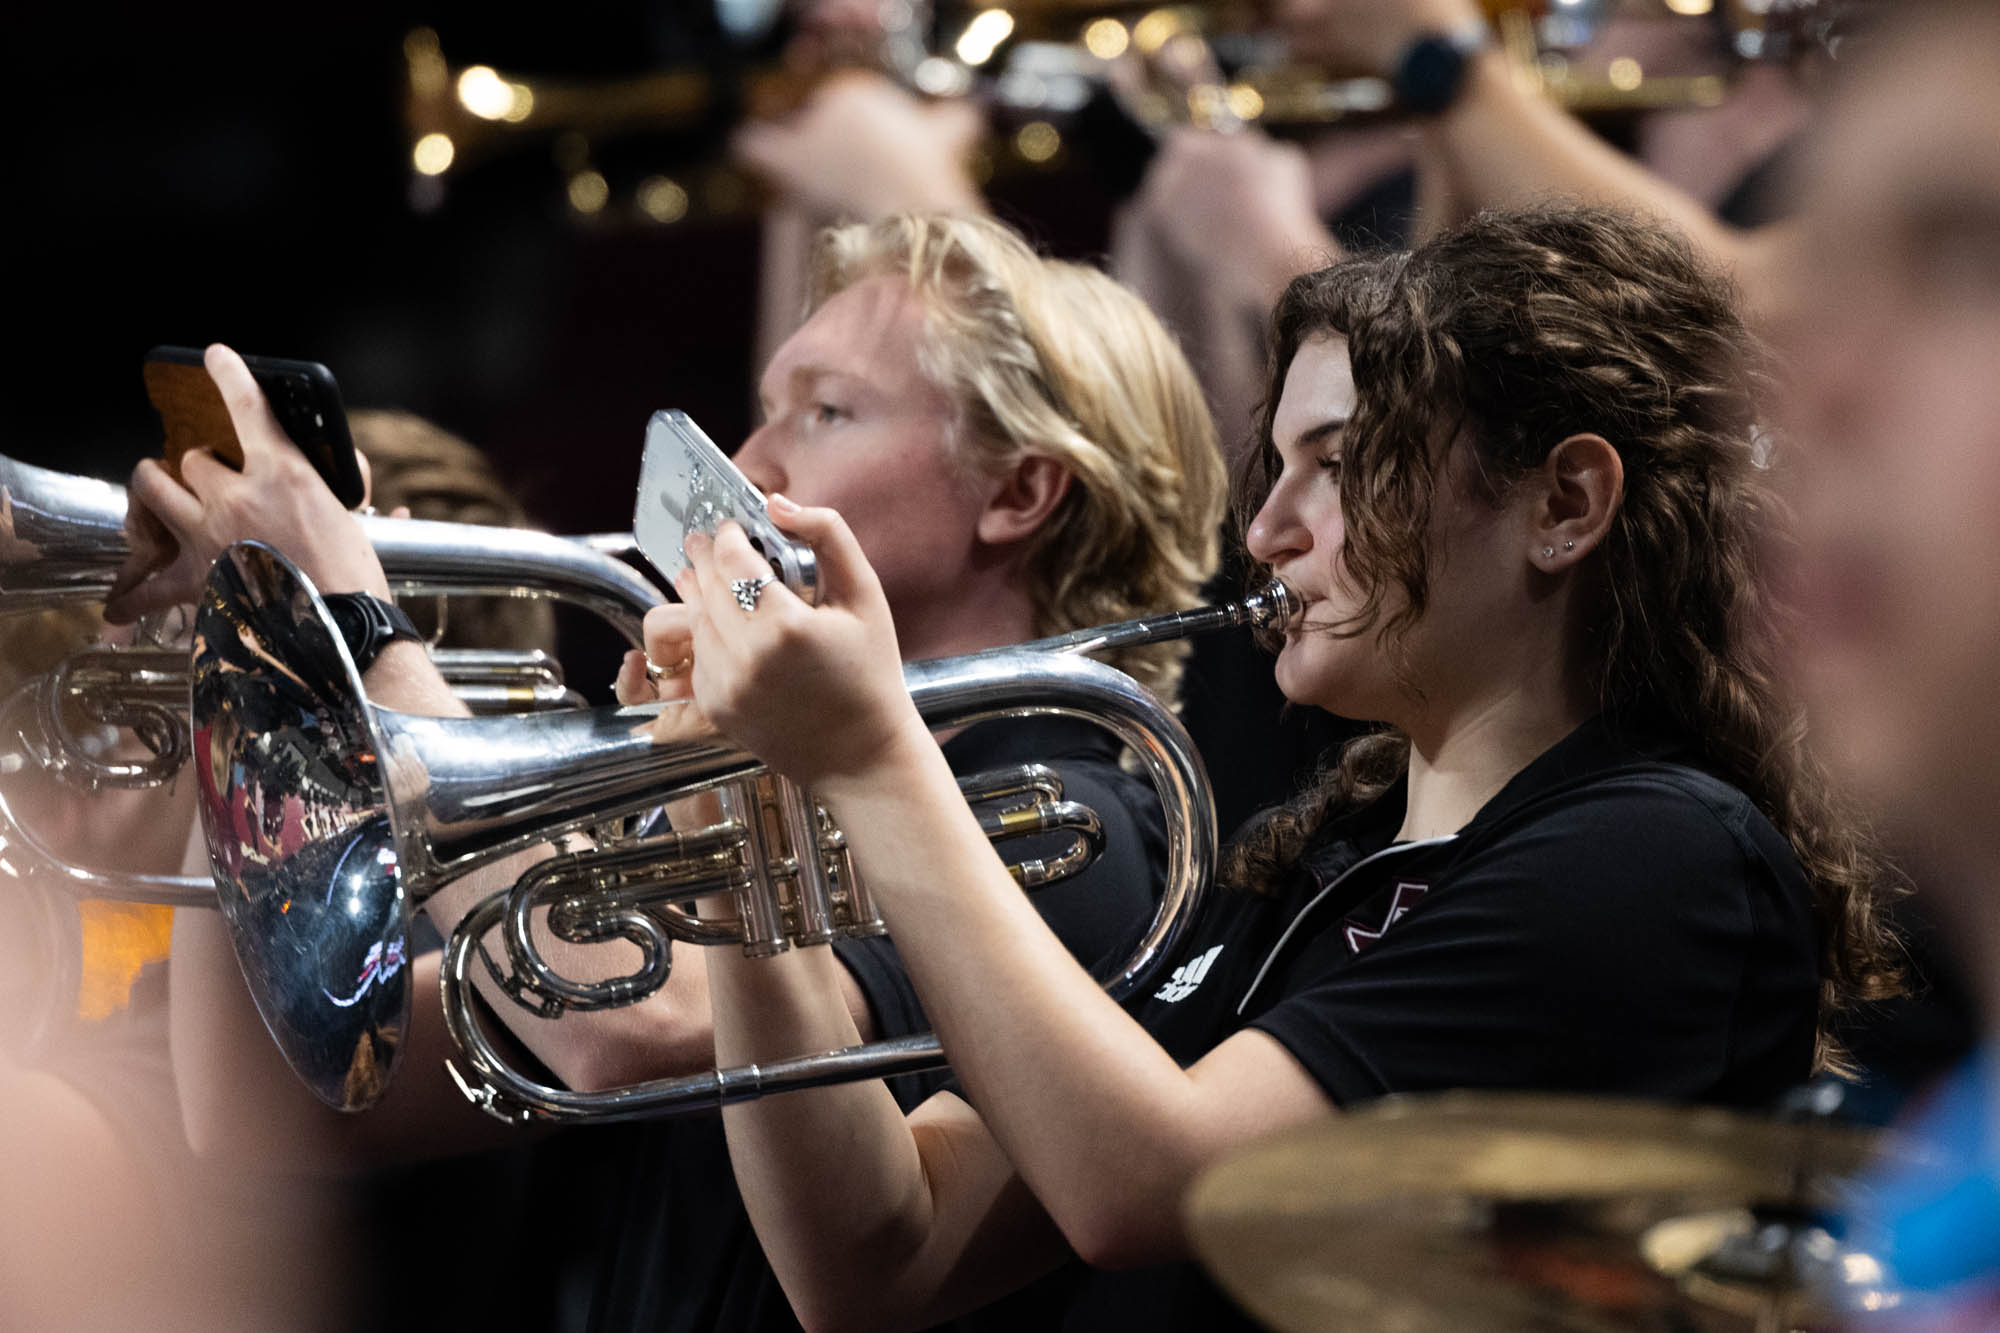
1620 863
1645 820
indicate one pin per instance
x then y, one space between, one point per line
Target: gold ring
663 672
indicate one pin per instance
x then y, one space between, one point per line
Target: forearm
1501 145
665 1034
832 1177
235 1088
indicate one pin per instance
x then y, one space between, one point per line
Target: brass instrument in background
388 807
1034 64
64 540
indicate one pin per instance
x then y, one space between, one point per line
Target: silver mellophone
377 810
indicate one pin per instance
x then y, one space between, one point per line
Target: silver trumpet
329 819
62 539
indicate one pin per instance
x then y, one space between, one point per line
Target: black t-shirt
1613 921
679 1253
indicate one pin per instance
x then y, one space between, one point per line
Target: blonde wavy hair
1045 358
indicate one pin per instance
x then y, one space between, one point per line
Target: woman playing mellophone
1512 477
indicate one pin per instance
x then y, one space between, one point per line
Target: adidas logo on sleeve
1186 977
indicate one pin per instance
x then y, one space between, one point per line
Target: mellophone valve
598 894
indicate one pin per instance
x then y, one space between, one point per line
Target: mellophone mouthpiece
1272 606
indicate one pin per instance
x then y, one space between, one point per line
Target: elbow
872 1285
1132 1217
1127 1235
865 1312
203 1099
1112 1247
852 1310
829 1319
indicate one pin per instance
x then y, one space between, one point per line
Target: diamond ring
748 590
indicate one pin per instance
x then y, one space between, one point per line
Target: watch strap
368 625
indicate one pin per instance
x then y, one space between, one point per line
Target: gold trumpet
376 809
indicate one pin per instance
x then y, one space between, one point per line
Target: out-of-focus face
1894 406
851 422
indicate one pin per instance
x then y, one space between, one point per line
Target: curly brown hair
1506 336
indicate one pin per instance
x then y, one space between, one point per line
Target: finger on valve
668 635
633 685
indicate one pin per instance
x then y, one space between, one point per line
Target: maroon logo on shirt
1407 895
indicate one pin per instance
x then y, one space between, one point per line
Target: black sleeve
1603 950
1096 914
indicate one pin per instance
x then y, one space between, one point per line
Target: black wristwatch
368 624
1431 72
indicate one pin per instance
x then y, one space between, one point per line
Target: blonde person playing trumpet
1021 449
1510 476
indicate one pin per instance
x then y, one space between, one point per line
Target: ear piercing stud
1548 551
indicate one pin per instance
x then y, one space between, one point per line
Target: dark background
239 173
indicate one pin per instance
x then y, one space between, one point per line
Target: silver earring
1548 551
1569 546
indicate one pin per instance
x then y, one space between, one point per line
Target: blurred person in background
1893 346
1233 215
107 1220
1488 139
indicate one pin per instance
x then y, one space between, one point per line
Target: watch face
353 622
1430 74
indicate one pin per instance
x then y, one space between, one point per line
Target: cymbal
1508 1211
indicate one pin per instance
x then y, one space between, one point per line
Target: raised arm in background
1501 144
